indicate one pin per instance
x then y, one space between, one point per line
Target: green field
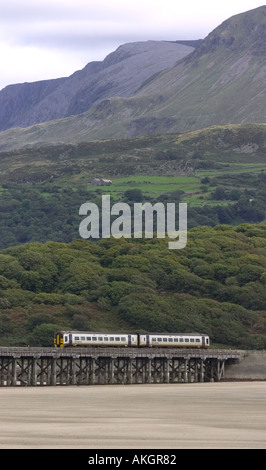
155 186
151 185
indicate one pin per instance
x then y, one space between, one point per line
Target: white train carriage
174 340
90 339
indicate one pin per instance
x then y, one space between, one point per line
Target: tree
43 335
219 194
134 195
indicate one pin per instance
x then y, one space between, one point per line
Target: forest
216 285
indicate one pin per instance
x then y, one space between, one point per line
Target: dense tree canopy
215 285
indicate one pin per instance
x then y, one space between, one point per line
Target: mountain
220 82
121 73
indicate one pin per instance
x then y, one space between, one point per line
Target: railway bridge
102 366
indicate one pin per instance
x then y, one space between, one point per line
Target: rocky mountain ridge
121 73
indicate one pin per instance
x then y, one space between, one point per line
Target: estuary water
223 415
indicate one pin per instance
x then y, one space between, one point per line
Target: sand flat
224 415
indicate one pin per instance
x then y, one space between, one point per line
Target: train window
66 339
159 339
153 339
186 340
76 338
112 338
176 340
94 338
82 338
192 340
197 340
124 339
100 338
88 338
106 339
117 338
165 340
170 340
181 340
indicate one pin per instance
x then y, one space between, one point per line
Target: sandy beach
224 415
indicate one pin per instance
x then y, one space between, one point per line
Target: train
63 339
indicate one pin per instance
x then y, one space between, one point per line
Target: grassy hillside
151 155
219 172
215 285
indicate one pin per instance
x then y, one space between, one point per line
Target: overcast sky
42 39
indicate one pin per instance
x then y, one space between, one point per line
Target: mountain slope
120 74
222 81
151 155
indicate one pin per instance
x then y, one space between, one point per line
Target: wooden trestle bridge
102 366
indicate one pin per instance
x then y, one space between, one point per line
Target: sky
44 39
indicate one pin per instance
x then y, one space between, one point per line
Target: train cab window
88 338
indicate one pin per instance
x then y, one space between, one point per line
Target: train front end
59 340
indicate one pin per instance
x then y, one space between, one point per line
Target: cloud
60 23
